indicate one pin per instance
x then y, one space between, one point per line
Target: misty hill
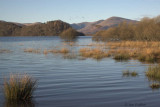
51 28
93 27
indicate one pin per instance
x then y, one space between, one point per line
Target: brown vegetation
19 87
94 53
143 51
31 50
145 30
130 73
155 85
5 51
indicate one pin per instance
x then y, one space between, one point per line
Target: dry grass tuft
19 87
153 73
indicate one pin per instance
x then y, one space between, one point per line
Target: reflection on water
69 39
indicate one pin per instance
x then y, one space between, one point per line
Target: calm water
73 82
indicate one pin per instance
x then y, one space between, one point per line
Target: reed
134 73
70 56
153 73
31 50
19 87
122 57
56 51
141 50
155 85
64 50
134 44
130 73
94 53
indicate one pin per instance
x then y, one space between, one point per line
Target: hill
90 28
51 28
8 29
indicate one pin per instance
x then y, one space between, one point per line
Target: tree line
147 29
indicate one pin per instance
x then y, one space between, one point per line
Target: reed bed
94 53
153 73
143 51
19 87
134 44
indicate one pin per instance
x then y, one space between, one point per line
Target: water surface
73 82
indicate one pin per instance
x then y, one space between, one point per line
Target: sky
76 11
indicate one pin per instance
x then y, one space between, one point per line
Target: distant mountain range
56 27
90 28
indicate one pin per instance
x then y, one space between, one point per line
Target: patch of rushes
155 85
94 53
141 50
130 73
153 73
19 87
122 57
143 55
62 51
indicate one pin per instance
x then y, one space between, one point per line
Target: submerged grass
19 87
5 51
130 73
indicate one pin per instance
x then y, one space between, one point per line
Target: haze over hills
93 27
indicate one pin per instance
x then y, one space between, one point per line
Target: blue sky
75 11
